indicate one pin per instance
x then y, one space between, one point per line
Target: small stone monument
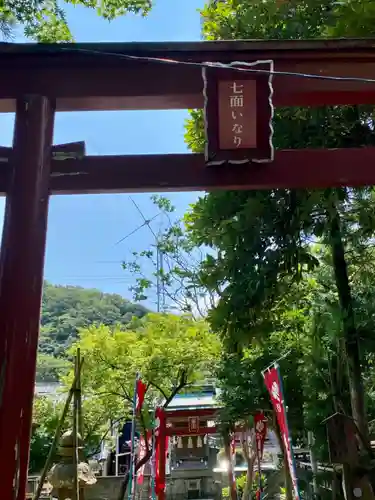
62 474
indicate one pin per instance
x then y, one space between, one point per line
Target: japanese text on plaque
236 102
237 114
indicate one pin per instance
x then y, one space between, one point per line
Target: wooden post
75 432
80 453
21 282
79 395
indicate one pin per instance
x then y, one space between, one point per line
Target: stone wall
178 486
107 488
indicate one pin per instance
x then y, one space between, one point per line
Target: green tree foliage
46 416
263 238
66 309
292 19
45 421
169 351
45 21
307 328
264 241
241 483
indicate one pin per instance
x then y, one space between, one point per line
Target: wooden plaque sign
238 113
193 423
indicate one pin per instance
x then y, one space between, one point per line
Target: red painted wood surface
162 455
303 168
99 81
21 281
198 412
184 431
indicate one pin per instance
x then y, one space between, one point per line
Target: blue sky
83 230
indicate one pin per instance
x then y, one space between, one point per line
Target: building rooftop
206 399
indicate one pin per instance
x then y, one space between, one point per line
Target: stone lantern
61 476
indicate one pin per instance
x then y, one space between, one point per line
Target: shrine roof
193 401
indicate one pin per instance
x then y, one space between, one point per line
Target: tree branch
183 382
144 428
104 436
108 363
162 392
117 394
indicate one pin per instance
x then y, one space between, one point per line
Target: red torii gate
168 427
38 80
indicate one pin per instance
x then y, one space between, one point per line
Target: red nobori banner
141 389
273 381
260 422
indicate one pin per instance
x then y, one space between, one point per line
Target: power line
159 261
146 222
240 66
108 262
92 278
160 291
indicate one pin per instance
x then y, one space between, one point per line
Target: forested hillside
66 309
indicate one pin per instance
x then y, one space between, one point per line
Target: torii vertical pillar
21 284
162 452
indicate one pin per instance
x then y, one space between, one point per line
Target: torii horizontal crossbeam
84 77
188 172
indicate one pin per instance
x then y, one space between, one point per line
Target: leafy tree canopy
170 352
67 309
45 21
45 421
46 416
263 239
264 242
